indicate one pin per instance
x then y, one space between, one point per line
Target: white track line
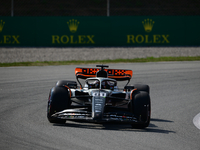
196 121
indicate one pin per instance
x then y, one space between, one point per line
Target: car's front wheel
59 100
141 108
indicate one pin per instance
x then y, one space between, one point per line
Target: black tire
70 84
141 108
142 87
59 100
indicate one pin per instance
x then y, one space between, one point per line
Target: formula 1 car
100 100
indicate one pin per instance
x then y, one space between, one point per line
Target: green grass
135 60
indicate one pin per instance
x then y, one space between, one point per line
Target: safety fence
99 8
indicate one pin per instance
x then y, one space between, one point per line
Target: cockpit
101 83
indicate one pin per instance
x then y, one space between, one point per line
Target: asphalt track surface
175 96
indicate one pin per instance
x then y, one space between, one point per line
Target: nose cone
98 103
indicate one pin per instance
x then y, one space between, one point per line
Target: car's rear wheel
70 84
142 87
141 108
59 100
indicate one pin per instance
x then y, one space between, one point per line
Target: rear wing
117 74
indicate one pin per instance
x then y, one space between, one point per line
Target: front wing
97 114
76 114
83 115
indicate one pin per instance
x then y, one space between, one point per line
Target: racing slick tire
141 107
142 87
59 99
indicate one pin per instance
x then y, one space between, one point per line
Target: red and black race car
99 99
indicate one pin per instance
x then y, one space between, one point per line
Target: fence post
12 8
108 8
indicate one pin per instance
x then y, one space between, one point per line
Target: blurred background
99 8
180 18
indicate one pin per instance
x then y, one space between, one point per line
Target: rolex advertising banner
100 31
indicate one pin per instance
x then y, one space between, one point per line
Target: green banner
100 31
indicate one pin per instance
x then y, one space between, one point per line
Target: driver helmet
95 84
107 85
